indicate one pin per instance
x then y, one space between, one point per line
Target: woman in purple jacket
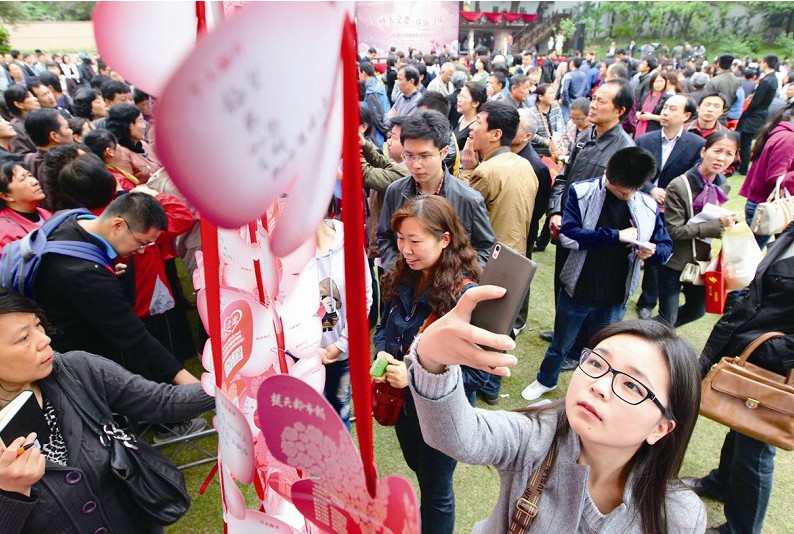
772 157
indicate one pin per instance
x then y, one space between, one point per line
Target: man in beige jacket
506 181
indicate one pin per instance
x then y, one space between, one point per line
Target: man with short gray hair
443 82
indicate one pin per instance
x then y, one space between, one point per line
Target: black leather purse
149 479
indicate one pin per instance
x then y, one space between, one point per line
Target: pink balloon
232 139
145 41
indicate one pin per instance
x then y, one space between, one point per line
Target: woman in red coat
20 196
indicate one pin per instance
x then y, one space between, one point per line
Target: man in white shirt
676 151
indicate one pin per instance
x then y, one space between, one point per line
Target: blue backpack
21 258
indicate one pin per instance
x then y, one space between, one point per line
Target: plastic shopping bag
740 256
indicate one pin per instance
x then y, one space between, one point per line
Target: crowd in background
618 153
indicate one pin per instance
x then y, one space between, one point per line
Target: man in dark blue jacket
676 151
609 225
754 117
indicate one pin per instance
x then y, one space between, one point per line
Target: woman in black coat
743 480
65 485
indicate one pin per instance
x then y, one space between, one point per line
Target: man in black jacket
523 148
86 302
611 103
548 67
754 117
743 480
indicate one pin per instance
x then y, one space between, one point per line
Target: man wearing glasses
425 138
86 301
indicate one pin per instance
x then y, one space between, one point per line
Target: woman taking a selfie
619 435
437 264
67 485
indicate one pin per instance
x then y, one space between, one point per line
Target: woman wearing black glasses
620 433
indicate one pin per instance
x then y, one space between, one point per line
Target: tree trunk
685 23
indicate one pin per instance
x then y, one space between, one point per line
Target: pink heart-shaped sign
145 41
234 138
302 430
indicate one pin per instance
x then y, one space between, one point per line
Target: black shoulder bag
149 479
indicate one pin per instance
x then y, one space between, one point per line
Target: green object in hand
378 368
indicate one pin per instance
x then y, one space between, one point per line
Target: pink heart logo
302 430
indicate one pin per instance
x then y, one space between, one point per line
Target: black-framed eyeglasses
624 386
424 158
140 244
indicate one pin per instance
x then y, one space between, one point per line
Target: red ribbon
353 219
474 16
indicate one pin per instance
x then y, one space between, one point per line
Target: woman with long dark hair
619 434
650 109
436 265
482 69
133 154
772 157
471 97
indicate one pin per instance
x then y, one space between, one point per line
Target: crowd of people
458 153
645 144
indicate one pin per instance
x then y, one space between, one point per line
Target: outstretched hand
453 340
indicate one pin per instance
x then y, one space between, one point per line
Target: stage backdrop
427 26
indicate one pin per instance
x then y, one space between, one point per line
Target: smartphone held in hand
513 271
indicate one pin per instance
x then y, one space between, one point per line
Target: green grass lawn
477 487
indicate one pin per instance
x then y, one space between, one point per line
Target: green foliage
42 11
785 42
12 12
567 28
5 41
694 21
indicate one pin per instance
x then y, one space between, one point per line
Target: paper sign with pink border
302 430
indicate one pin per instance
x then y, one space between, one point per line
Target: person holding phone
621 431
609 225
437 263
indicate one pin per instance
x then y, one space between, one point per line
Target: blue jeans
743 481
670 287
337 388
749 211
433 469
574 320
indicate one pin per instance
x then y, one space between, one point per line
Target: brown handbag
749 399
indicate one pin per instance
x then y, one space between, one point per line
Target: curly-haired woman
436 266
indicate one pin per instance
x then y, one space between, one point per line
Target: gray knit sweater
515 444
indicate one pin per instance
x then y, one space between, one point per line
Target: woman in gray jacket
621 431
67 485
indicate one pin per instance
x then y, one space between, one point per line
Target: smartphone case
513 271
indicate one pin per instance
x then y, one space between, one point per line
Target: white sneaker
535 390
